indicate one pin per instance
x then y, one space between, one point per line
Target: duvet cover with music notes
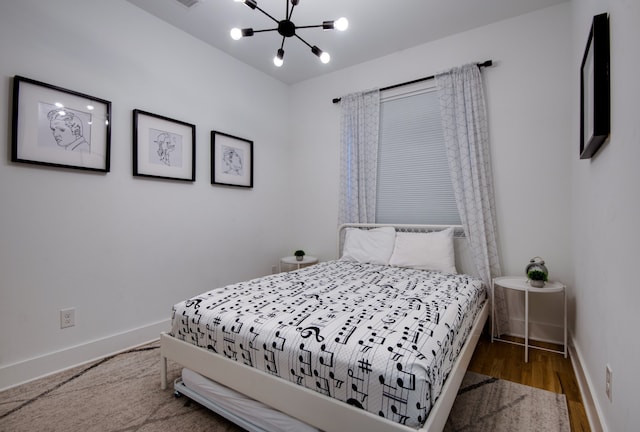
377 337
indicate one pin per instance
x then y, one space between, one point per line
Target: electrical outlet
607 385
67 318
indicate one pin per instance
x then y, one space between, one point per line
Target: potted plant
299 254
537 272
537 278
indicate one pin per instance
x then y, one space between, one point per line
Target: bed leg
163 372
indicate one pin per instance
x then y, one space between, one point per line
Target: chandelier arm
309 26
289 13
265 30
264 12
303 41
282 44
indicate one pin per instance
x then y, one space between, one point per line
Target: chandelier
287 29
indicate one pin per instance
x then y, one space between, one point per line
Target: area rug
493 405
122 393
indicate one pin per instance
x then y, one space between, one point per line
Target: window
414 184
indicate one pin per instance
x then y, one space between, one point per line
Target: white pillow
372 246
425 251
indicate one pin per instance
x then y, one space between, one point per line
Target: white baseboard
586 389
38 367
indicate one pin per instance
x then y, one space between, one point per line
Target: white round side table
291 263
520 283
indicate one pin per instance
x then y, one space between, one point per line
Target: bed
373 341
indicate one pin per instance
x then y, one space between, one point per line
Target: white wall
529 109
119 249
605 217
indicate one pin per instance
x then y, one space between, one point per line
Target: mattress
376 337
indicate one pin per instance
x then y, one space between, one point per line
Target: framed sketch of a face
231 160
163 147
58 127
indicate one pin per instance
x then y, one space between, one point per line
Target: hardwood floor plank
545 370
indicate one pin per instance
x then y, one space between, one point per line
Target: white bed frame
311 407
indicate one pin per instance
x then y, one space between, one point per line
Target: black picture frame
231 160
163 147
594 89
57 127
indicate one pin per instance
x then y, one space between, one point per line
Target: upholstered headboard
463 258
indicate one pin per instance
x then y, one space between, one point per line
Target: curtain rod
480 65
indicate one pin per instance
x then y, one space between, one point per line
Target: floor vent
189 3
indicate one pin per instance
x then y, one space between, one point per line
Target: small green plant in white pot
299 254
537 272
537 278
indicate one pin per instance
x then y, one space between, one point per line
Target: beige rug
493 405
122 393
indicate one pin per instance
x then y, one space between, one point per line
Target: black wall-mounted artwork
594 89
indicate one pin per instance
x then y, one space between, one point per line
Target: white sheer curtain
359 156
464 120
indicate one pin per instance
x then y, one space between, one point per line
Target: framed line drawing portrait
231 160
57 127
594 88
163 147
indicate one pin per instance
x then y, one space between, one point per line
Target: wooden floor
545 370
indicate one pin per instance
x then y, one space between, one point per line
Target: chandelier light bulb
278 60
251 3
341 24
323 56
236 33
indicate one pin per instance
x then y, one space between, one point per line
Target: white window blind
414 184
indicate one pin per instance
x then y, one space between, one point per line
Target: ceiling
376 28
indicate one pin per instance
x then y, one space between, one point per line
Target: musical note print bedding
377 337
